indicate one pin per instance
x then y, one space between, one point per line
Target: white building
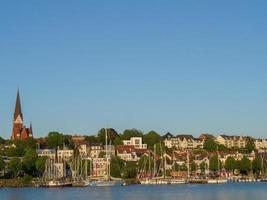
232 141
129 152
64 155
137 142
49 153
261 144
95 150
84 149
100 167
182 142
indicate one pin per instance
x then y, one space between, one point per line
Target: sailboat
152 179
50 177
106 182
218 180
189 178
155 179
80 175
263 177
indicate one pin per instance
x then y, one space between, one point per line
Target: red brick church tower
19 130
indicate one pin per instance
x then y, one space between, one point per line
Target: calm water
243 191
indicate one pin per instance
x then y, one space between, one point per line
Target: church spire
18 111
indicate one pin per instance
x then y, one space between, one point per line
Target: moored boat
55 184
102 183
217 181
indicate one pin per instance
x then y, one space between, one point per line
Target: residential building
84 149
205 136
136 142
126 152
129 152
182 141
189 142
49 153
170 141
95 150
232 141
261 144
100 167
64 155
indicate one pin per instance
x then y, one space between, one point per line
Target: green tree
245 166
230 164
21 147
15 166
128 133
222 148
29 143
2 164
214 163
250 146
130 171
92 139
183 167
68 142
29 160
55 139
210 144
118 141
111 135
40 165
193 166
178 167
2 141
202 167
116 167
256 165
151 138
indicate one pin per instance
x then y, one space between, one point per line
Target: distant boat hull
161 181
217 181
81 184
56 184
102 184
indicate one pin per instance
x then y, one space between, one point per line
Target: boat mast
107 157
154 173
219 169
188 166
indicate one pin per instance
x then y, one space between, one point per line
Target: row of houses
182 141
190 142
131 150
134 148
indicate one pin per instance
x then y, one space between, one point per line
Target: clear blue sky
178 66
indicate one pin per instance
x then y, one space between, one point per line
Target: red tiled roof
125 148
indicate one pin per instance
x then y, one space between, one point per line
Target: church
20 132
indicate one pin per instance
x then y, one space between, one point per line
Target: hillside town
131 156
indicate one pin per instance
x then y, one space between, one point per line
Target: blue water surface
237 191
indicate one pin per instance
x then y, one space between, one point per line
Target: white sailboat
218 180
106 182
159 180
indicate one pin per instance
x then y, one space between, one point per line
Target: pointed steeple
31 127
18 111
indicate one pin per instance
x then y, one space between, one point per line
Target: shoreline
18 183
15 183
